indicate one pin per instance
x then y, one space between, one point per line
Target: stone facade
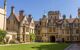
51 28
20 26
2 19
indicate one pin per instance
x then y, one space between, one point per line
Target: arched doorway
62 39
52 38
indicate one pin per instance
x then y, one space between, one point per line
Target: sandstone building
2 19
51 28
20 26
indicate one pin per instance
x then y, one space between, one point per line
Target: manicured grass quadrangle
36 46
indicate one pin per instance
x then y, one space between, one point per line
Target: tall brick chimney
21 14
12 9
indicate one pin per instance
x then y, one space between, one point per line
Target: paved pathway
73 47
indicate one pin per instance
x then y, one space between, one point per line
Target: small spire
76 17
70 16
5 4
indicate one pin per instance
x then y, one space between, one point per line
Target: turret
53 14
64 17
70 16
12 9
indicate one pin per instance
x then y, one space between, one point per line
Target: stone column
25 35
20 34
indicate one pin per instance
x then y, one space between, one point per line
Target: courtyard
35 46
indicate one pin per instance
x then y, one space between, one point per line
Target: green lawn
36 46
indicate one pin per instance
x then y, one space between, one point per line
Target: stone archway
52 38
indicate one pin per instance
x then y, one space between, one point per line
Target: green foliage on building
32 37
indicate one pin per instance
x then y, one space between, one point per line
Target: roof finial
70 16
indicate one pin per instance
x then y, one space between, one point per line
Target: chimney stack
12 9
21 13
30 16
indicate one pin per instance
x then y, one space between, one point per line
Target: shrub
2 35
32 37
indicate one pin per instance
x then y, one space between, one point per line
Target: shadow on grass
53 46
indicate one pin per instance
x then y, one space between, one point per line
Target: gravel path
73 47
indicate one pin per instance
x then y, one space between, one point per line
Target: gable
32 23
65 21
12 17
76 20
24 21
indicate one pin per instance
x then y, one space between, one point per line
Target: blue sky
39 7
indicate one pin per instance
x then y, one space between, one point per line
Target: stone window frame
77 31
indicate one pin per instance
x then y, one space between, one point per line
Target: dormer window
77 31
75 24
79 24
32 24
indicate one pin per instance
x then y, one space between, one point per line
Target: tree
32 37
2 35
